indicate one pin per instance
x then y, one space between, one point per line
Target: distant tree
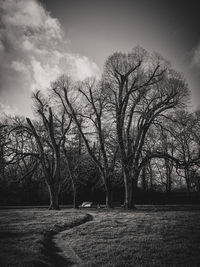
187 146
48 137
16 168
24 163
4 141
88 106
168 147
72 150
160 139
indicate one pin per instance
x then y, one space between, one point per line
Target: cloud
193 75
196 56
82 66
18 66
28 22
1 47
43 74
33 52
5 109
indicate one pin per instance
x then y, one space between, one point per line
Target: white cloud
78 67
33 45
22 13
18 66
27 45
28 25
196 56
5 109
29 16
83 67
43 74
1 47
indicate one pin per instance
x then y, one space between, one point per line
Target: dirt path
65 254
78 246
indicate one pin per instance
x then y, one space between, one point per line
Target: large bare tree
142 88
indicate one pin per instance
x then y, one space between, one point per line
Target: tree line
131 127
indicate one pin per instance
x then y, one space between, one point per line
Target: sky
42 39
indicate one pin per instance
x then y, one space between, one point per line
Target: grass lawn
113 238
25 235
162 238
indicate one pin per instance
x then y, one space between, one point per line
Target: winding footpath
64 250
119 223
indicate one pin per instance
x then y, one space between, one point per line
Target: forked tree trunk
54 196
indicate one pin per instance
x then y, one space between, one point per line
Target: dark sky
40 41
97 28
91 25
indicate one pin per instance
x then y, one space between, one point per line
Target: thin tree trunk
28 190
108 188
54 197
75 203
144 182
150 176
187 179
168 176
128 184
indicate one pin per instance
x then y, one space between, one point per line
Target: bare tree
93 99
3 143
187 146
142 88
164 142
48 138
73 156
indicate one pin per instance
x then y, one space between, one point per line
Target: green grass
25 235
113 238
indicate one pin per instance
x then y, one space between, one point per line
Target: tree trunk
73 178
168 176
128 184
75 203
28 190
144 182
54 197
150 176
187 179
108 188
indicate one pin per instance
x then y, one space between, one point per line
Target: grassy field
25 235
162 238
113 238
